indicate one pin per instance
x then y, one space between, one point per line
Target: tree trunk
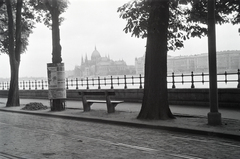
13 93
57 104
56 47
155 100
14 52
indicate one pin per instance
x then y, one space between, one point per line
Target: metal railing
106 82
198 80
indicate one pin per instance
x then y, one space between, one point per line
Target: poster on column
56 81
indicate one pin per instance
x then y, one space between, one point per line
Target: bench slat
96 101
103 101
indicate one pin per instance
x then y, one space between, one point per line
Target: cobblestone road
35 137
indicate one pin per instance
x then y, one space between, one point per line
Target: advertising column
56 81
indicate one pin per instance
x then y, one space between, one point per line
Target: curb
133 124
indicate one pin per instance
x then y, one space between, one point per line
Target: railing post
87 83
202 78
29 85
35 84
118 81
99 87
140 77
92 82
76 83
82 82
42 85
23 85
111 82
238 86
173 81
67 83
192 86
182 79
2 85
105 81
225 75
46 83
125 82
71 83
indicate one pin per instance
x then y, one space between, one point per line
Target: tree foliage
186 20
33 11
28 17
45 9
52 9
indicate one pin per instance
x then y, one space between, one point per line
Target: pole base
214 118
57 104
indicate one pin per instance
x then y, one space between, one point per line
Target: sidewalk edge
134 124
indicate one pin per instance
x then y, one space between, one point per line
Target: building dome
95 54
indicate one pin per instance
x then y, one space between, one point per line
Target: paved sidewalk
230 128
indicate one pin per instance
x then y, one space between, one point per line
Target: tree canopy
187 18
28 20
33 11
45 9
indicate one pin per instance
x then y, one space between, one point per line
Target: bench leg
87 106
111 107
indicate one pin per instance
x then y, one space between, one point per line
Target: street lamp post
214 117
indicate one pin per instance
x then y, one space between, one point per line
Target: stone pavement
230 128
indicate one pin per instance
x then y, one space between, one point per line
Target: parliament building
102 66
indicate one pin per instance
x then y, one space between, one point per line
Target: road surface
28 136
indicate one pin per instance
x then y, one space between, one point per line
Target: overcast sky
90 23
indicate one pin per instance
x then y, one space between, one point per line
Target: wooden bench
111 104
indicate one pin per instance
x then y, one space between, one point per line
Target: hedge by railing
174 81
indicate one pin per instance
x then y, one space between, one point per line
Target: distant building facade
226 61
101 66
139 65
